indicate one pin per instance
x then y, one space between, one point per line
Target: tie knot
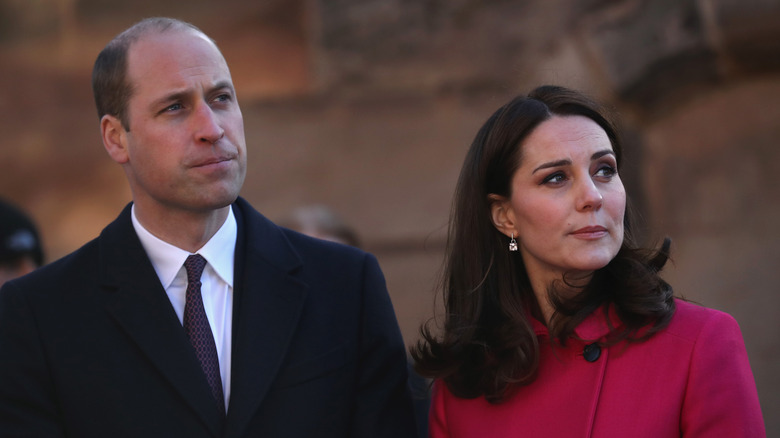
194 266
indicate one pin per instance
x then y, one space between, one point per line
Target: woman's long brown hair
487 346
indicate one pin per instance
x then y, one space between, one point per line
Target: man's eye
223 98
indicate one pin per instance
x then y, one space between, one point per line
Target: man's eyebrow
172 97
182 95
223 84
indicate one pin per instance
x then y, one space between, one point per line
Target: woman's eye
606 171
555 178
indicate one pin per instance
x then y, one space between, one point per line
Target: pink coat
692 379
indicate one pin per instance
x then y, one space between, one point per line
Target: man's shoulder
87 254
308 248
80 269
50 279
312 248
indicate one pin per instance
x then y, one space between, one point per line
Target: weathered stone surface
28 19
424 46
368 106
711 166
653 48
749 33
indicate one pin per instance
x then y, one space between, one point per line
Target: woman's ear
114 138
502 215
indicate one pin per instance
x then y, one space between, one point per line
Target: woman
557 323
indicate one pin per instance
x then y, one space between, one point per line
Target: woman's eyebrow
600 154
567 162
564 162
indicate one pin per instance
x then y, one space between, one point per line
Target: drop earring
513 243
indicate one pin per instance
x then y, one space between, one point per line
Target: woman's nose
589 196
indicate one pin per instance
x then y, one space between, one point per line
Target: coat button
592 352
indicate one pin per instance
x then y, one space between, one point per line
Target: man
301 339
20 244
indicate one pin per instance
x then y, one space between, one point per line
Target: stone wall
368 106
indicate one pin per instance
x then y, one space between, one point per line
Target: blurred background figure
321 222
20 243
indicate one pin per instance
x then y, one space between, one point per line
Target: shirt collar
168 259
220 250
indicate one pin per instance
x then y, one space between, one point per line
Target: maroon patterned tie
197 327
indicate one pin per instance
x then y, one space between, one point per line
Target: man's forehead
174 53
160 43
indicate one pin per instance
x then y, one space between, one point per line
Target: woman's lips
590 232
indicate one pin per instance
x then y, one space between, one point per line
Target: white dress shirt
216 283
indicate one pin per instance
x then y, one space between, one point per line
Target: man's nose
207 125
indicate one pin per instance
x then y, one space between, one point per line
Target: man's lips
210 161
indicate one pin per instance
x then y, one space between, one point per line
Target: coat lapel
142 309
268 300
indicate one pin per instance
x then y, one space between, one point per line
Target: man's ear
114 138
502 215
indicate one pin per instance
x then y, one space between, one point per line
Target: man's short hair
110 87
